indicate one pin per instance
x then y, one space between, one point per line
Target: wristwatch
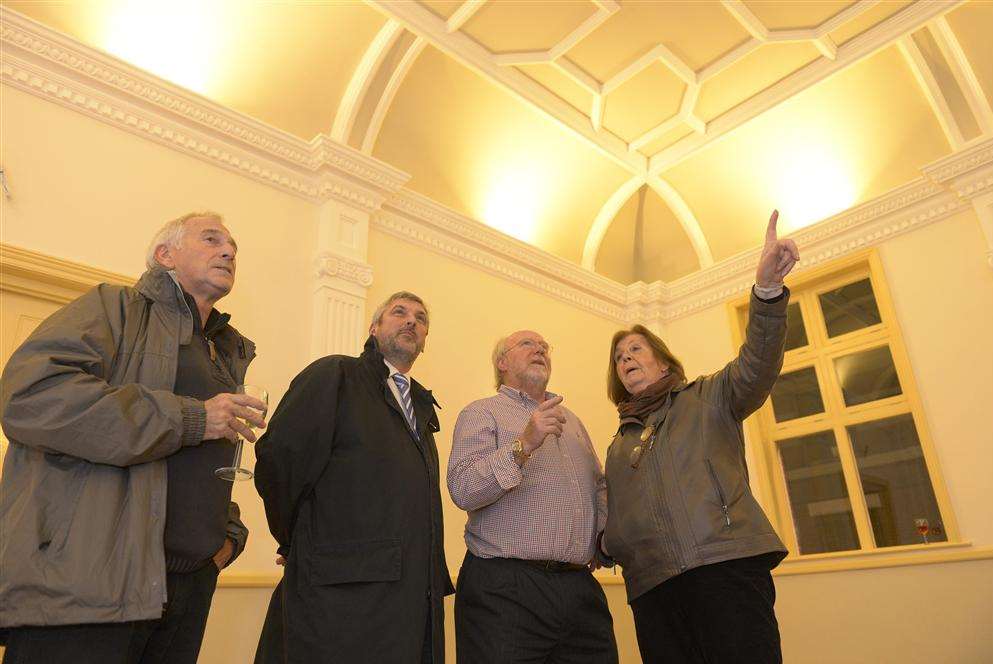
520 456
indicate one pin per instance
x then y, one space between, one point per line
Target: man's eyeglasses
530 345
647 442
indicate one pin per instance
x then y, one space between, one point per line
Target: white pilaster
342 279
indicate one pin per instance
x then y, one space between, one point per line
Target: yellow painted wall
90 193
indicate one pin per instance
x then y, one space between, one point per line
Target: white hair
171 234
499 349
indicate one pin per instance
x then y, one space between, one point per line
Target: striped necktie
408 407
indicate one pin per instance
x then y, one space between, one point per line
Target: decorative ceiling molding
963 73
501 69
425 23
55 67
928 82
941 193
872 40
420 220
669 195
685 217
968 173
904 209
389 93
358 85
463 14
603 219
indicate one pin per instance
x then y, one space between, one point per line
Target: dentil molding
48 64
55 67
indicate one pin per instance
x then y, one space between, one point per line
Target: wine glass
923 527
236 471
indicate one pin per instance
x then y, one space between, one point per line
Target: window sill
896 556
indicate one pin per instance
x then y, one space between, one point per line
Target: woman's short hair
171 234
615 388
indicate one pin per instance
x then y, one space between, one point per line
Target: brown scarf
650 399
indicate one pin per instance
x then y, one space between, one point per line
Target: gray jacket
689 503
87 405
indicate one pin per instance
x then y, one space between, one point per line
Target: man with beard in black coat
348 472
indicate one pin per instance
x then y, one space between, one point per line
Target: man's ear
163 254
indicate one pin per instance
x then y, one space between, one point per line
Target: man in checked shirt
524 469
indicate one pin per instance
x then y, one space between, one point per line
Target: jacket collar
373 358
161 287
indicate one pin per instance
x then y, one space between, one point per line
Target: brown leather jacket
689 503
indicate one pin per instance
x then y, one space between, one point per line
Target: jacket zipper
720 494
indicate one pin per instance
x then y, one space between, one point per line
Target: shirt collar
518 395
393 370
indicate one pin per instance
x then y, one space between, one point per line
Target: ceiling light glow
179 40
814 184
511 203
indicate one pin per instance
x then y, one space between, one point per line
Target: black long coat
352 497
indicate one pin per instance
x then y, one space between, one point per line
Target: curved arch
668 195
686 218
603 218
372 59
389 92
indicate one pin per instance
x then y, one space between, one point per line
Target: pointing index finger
770 231
551 403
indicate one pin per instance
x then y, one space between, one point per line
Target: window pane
822 511
796 333
867 376
796 394
895 481
849 308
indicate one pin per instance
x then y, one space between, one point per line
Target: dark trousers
172 639
715 614
509 611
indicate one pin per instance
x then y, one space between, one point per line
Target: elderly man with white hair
523 467
118 408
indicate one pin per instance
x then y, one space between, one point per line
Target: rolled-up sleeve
479 470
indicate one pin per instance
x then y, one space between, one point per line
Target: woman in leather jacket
695 546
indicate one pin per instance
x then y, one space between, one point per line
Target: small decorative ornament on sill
923 527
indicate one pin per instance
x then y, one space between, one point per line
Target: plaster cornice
51 65
57 68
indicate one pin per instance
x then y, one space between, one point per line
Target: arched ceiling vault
545 118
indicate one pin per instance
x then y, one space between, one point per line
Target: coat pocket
356 562
721 496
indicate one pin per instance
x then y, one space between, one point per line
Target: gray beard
534 379
396 354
